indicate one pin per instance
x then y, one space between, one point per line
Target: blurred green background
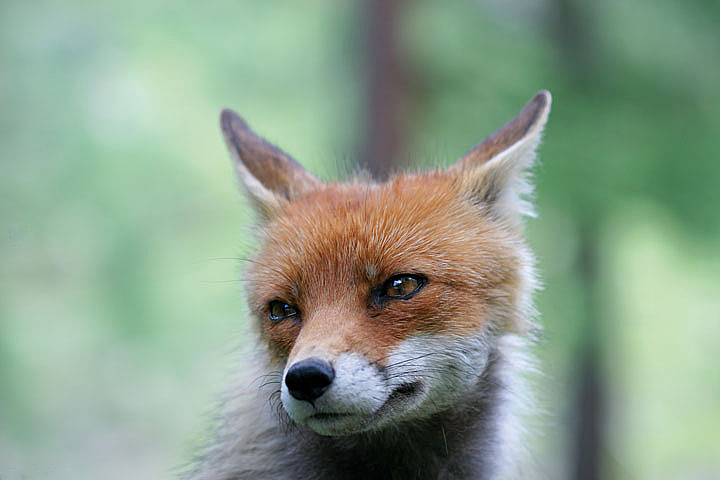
120 221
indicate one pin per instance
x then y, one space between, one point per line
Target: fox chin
392 319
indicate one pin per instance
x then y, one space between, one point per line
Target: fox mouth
401 394
399 400
329 416
405 390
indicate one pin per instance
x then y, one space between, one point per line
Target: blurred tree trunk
386 91
589 411
571 25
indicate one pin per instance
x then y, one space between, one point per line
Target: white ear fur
495 173
265 202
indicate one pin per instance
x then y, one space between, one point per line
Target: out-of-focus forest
120 223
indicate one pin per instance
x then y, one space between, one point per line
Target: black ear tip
228 119
542 98
226 115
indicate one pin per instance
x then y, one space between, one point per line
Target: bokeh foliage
120 226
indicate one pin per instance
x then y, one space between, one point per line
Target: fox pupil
280 310
403 286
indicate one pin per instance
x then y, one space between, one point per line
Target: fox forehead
344 238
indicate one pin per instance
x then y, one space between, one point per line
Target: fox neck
466 441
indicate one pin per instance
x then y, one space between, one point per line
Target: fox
393 320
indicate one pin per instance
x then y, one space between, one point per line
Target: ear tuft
269 175
494 173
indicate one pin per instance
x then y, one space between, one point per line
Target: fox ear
495 172
270 176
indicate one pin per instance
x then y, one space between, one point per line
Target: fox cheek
281 337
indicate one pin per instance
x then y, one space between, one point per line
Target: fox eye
402 286
280 310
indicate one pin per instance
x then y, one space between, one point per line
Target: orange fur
330 246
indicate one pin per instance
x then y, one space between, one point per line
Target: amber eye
279 310
403 286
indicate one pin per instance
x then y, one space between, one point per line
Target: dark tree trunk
589 411
384 128
572 27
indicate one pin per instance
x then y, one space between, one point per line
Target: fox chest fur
392 318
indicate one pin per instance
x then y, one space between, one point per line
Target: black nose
308 379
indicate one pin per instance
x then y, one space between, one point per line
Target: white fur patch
357 391
423 375
446 368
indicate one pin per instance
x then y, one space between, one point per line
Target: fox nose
308 379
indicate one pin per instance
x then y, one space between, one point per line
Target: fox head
381 302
